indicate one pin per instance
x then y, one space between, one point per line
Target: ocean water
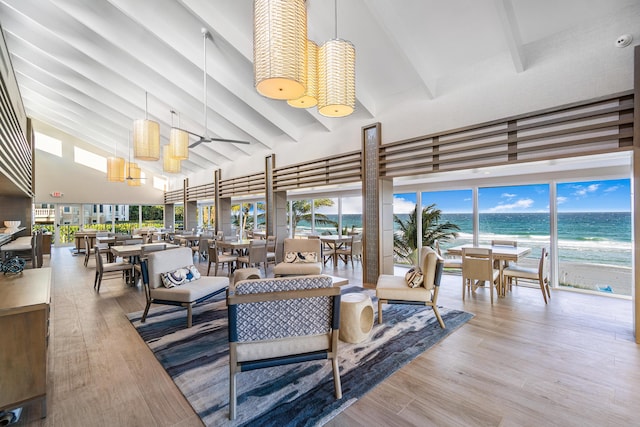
593 237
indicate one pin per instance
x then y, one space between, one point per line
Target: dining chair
449 262
103 268
477 269
540 274
508 243
219 258
145 249
256 255
272 244
88 249
134 241
351 249
327 251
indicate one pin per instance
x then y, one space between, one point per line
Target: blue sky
590 196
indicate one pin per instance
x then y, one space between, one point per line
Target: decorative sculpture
12 265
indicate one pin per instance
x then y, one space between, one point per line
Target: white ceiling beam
511 32
387 17
225 66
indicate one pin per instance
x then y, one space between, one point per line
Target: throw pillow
180 276
414 277
301 257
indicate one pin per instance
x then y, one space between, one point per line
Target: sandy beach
596 277
593 277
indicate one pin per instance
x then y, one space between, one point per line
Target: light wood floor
516 363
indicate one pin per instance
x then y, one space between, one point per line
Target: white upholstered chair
392 289
185 295
292 246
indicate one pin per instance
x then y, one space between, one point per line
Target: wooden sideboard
24 326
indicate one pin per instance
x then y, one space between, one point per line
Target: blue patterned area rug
298 394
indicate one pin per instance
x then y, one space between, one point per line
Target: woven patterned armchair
279 321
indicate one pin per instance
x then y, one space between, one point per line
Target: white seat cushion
191 291
395 287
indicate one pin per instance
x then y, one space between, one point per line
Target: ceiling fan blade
234 141
198 142
190 133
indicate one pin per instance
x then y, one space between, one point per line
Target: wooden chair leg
189 315
336 377
437 313
146 311
379 311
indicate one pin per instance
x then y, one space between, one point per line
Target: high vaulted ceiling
84 66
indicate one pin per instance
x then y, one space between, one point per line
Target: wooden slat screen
201 192
340 169
15 150
174 196
594 127
244 185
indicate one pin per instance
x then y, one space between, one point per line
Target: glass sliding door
68 222
452 213
594 236
519 213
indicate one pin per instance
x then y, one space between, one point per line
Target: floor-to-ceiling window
515 213
452 207
594 236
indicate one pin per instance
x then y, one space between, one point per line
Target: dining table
238 246
133 252
336 242
502 254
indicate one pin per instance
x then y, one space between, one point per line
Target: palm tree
405 238
302 212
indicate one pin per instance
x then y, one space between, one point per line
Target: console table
24 322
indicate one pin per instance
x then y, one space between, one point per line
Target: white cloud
583 191
520 204
508 195
402 206
611 189
561 199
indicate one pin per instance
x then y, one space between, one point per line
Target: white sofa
285 268
185 295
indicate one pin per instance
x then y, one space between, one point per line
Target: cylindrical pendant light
279 46
336 78
146 137
336 75
169 163
133 174
115 169
178 141
310 96
179 144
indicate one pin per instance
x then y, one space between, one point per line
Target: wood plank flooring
573 362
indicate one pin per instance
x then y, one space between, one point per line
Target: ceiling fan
203 137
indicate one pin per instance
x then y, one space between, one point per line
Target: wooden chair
103 268
298 322
477 268
256 255
351 250
219 259
452 263
540 274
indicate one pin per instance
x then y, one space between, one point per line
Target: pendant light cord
205 35
335 17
